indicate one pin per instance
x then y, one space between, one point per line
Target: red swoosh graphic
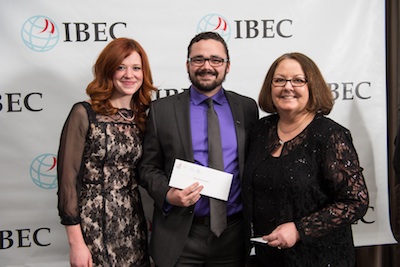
46 26
220 21
54 164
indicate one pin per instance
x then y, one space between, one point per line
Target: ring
279 247
191 201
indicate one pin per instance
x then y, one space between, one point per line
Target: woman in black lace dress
101 142
304 186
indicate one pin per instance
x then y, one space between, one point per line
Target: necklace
125 117
281 142
295 128
122 115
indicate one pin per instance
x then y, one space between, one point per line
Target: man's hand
185 197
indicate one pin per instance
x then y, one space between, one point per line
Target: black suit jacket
168 137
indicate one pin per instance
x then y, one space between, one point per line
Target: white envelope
258 240
216 184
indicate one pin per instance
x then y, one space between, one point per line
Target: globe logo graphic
40 33
43 171
215 23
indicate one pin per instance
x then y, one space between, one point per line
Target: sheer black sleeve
342 175
69 162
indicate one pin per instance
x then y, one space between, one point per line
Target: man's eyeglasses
296 82
214 61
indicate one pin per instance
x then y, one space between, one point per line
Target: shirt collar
197 98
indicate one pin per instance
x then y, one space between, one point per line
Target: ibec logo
41 33
95 31
246 28
351 90
215 23
24 238
43 171
18 102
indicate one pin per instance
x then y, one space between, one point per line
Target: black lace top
317 183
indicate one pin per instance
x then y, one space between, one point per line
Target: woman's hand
80 256
284 236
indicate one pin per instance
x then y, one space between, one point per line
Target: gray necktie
215 161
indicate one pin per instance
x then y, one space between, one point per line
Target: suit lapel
238 117
182 116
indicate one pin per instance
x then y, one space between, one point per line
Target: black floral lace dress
97 185
316 182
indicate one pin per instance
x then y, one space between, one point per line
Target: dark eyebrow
212 56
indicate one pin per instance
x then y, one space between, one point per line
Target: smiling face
286 98
128 77
206 78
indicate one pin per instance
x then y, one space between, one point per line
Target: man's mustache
203 72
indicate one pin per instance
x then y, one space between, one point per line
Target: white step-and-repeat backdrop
47 49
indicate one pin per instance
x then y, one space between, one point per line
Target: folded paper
216 184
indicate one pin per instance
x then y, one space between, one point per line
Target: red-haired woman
101 142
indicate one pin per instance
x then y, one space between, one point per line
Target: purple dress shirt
198 125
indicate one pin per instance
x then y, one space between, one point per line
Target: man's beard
209 86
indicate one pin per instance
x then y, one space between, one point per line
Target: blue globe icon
43 171
40 33
215 23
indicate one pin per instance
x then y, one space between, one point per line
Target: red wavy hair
102 86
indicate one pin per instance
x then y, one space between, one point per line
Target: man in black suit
177 129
